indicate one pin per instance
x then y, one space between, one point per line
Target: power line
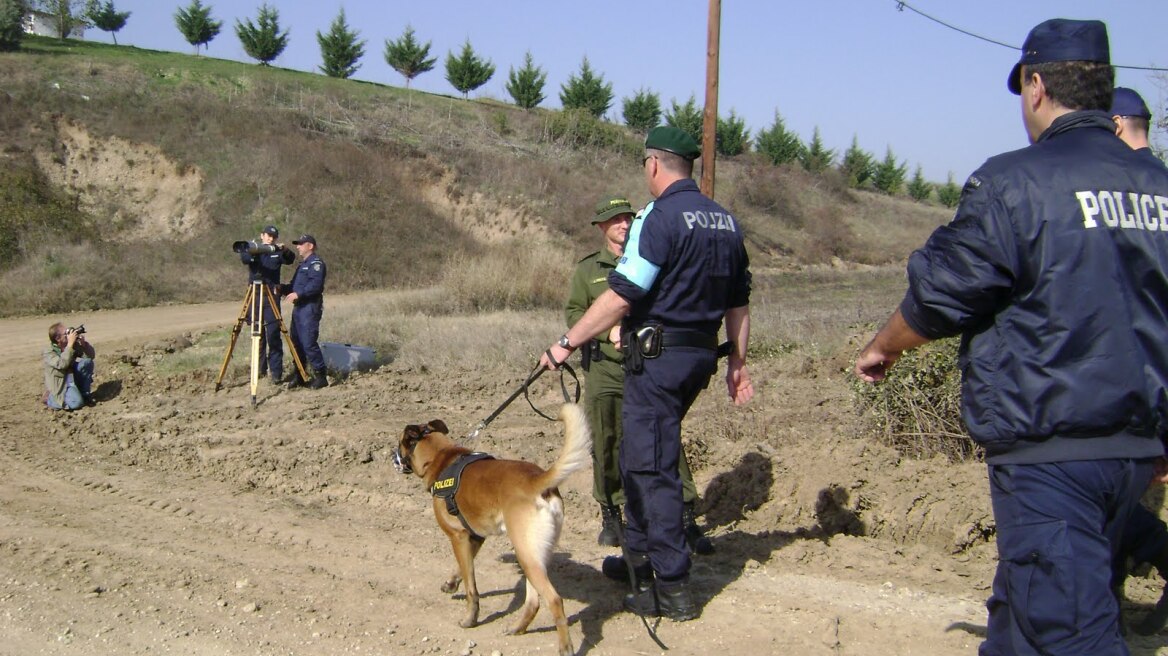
901 6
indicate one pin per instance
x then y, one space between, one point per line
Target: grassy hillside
126 174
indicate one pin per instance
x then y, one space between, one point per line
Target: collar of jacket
1076 120
685 184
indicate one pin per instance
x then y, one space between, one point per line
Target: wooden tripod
257 294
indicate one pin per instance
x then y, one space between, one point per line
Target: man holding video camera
68 368
264 267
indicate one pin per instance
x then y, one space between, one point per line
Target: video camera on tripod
254 247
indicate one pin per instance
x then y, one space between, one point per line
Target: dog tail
577 453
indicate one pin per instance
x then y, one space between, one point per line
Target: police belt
689 338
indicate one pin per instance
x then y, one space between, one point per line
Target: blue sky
848 67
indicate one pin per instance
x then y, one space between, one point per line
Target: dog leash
535 373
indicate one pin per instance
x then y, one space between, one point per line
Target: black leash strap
562 366
535 373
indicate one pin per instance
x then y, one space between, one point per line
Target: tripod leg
287 337
257 328
234 335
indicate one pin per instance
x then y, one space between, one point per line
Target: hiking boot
318 381
694 537
610 526
674 601
615 568
295 381
1155 620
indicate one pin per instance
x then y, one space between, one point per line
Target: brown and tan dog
499 496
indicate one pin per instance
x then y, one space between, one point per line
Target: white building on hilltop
45 24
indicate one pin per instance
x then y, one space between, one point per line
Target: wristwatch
564 343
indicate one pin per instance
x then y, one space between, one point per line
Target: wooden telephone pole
710 115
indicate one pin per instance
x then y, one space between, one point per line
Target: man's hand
614 336
291 298
873 364
738 382
554 351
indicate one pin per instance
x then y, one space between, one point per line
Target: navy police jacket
1055 272
684 262
266 267
308 281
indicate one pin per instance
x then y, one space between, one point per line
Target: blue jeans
78 385
1058 528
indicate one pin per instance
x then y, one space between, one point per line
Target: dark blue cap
1059 40
1126 102
271 230
305 239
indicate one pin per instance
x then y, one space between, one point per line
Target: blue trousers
1058 530
656 400
305 334
78 385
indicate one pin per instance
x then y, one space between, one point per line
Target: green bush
917 408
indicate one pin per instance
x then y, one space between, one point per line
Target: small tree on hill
196 25
106 17
857 165
11 23
262 40
586 91
779 144
732 137
642 112
64 15
949 193
919 189
889 176
408 57
526 84
340 49
816 157
687 118
467 71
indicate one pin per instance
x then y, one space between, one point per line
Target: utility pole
710 115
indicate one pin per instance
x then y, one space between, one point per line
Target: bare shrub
828 236
516 276
917 408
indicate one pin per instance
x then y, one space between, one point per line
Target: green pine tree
857 165
687 118
949 193
642 112
919 189
262 40
889 176
732 137
106 17
339 49
816 157
11 24
526 84
467 71
408 57
586 91
779 144
196 25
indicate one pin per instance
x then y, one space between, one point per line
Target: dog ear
439 426
412 434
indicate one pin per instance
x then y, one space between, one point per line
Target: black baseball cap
1126 102
271 230
1059 40
305 239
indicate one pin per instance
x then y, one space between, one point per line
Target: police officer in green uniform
604 382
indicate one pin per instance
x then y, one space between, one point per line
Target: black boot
674 601
1155 621
318 381
296 381
610 526
615 568
694 537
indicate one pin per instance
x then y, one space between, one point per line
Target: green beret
610 207
673 140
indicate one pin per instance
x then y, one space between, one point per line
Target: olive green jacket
589 281
57 367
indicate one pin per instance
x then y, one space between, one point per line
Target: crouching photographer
68 364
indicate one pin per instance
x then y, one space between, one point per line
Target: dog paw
469 622
450 587
515 630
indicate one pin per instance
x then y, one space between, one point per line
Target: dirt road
171 519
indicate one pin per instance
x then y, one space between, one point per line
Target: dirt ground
173 519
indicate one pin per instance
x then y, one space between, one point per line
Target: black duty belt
689 338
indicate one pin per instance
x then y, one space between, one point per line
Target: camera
254 247
80 330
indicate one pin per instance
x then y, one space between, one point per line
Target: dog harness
446 486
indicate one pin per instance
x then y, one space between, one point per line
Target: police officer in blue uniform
684 271
306 293
1053 271
265 268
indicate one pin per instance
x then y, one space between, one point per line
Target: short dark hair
674 163
1138 123
1076 84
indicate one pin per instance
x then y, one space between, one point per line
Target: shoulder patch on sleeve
316 266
